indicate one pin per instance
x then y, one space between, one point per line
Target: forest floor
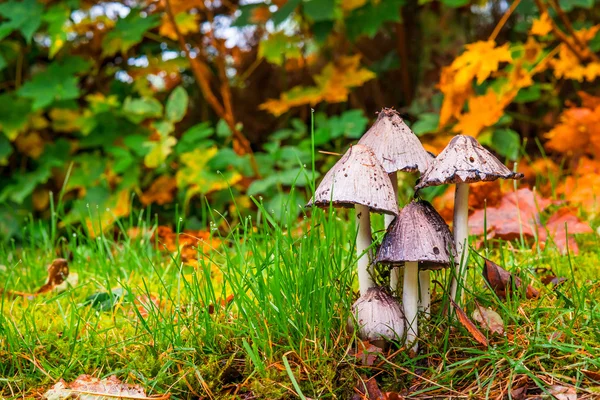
262 313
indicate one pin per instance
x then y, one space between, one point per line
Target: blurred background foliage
174 104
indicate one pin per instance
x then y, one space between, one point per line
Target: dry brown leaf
502 281
469 325
88 387
58 271
367 353
489 319
562 392
594 375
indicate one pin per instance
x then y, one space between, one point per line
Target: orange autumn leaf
578 132
588 101
532 50
568 66
333 85
186 23
582 187
483 111
479 61
161 191
30 144
541 26
260 15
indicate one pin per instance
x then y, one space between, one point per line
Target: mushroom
463 161
419 238
379 317
358 180
398 149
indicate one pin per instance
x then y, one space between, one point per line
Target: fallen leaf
368 389
502 281
104 301
563 393
594 375
561 227
367 352
489 319
161 191
58 271
90 388
469 325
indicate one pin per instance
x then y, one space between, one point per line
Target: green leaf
128 32
139 109
159 151
164 128
319 10
195 137
246 12
427 123
455 3
25 184
103 301
529 94
368 19
24 16
284 12
570 5
278 46
57 83
56 17
5 150
507 143
353 123
14 113
285 205
177 104
223 130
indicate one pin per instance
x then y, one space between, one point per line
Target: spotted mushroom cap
357 178
395 145
420 234
464 160
379 317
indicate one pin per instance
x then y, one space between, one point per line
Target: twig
565 19
202 74
503 20
560 35
404 62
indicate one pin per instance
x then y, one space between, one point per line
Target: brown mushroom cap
419 234
464 160
395 145
357 178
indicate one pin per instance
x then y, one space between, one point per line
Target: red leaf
469 325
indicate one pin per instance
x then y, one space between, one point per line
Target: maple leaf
483 111
541 26
479 61
568 66
186 22
333 85
578 132
561 227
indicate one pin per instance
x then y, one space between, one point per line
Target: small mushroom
358 180
398 149
463 161
419 239
379 317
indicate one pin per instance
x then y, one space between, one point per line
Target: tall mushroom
462 162
358 180
418 239
398 149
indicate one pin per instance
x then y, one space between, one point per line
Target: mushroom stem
395 271
388 218
425 293
363 242
410 295
461 234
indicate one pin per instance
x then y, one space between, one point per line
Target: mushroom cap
357 178
379 316
419 234
395 144
464 160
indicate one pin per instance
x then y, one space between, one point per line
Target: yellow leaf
186 22
532 50
117 206
333 85
483 111
30 144
542 26
568 66
159 151
479 61
65 120
349 5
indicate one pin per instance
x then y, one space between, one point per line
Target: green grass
283 335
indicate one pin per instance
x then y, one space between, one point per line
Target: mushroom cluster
417 237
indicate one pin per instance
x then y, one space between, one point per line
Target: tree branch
565 19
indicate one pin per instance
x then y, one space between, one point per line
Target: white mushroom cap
464 160
418 234
395 144
379 317
357 178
